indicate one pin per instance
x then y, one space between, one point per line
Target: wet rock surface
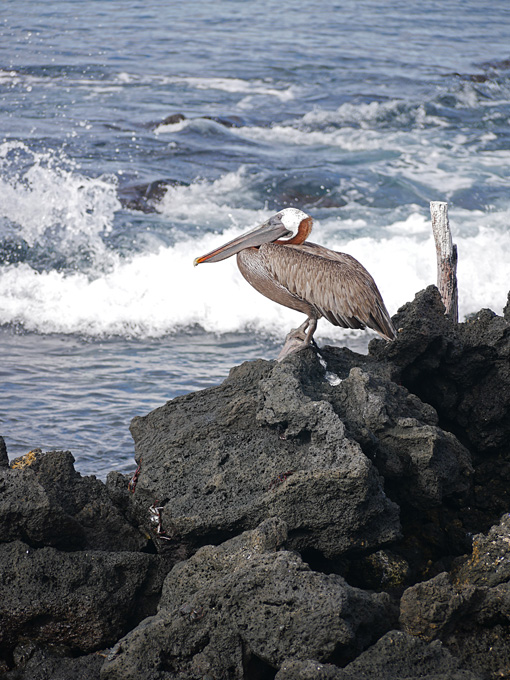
309 519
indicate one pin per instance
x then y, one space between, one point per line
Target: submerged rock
146 197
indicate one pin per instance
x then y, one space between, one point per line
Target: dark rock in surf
172 119
145 197
303 190
229 121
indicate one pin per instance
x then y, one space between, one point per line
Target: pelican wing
336 284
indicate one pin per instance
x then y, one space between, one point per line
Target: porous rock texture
306 520
222 460
249 604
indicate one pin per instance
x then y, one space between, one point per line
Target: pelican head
289 222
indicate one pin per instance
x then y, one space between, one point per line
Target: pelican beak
265 233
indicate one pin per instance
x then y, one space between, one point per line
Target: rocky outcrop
468 609
309 519
256 447
80 599
249 604
45 502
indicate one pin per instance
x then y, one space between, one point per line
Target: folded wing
336 284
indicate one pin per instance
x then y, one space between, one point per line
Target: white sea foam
152 294
41 197
217 204
159 293
364 115
238 85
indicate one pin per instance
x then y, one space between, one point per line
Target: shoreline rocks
309 519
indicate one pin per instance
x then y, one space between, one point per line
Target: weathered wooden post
446 253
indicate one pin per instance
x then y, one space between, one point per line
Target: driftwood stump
446 252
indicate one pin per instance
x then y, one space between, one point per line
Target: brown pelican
307 277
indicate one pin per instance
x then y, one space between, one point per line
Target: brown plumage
307 277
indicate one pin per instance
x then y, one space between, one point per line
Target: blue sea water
359 113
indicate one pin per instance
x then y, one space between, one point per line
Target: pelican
278 261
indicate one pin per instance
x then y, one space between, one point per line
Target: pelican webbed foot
298 338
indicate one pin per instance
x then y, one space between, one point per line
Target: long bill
265 233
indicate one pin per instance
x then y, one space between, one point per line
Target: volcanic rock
224 459
38 662
396 656
457 368
247 605
468 609
309 519
44 501
145 197
84 600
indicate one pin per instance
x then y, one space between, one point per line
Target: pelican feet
298 338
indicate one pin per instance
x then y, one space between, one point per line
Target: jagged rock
399 656
321 460
213 562
84 600
247 604
457 368
489 562
469 609
424 335
421 464
28 513
428 608
4 459
224 459
506 310
34 662
44 501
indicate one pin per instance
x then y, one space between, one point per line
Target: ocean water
135 136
